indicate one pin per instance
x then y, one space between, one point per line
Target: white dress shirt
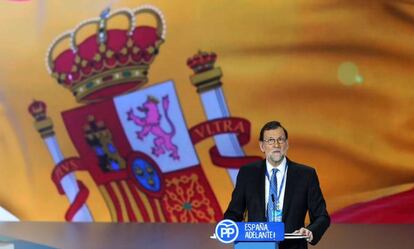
279 176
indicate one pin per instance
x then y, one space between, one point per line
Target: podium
252 235
12 243
256 245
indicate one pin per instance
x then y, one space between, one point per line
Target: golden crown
109 62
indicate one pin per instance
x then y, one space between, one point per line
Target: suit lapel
290 184
261 188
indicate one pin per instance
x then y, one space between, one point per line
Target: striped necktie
271 202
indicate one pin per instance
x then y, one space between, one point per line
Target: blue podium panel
259 235
260 231
250 235
21 244
256 245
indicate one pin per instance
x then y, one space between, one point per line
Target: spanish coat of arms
134 141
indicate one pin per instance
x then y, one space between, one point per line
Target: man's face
274 152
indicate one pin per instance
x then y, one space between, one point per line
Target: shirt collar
281 166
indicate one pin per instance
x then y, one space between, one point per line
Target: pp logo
227 231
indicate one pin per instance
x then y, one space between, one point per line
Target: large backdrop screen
145 112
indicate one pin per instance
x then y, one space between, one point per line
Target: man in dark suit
297 191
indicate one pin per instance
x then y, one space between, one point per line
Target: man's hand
306 232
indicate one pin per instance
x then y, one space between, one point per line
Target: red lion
150 123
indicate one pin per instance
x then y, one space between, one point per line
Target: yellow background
281 60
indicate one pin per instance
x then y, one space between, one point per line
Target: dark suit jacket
302 194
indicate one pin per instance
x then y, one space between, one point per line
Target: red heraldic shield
139 153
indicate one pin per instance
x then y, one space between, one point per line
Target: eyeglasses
271 141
